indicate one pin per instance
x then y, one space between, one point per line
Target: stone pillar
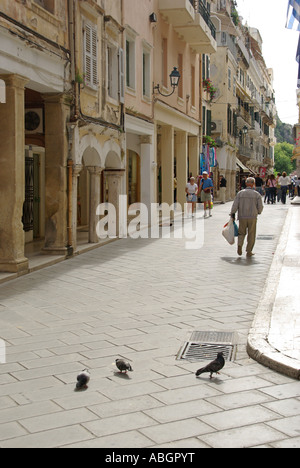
147 172
56 154
95 194
76 173
194 155
114 192
12 176
167 164
182 166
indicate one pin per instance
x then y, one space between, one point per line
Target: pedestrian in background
223 187
284 181
206 194
191 195
259 183
278 186
248 203
297 186
272 189
267 188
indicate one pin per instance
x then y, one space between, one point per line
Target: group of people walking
203 191
248 203
275 189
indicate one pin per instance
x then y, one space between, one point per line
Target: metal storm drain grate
205 346
266 238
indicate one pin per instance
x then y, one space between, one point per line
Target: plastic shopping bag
229 232
236 229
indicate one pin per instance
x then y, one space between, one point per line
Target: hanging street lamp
174 78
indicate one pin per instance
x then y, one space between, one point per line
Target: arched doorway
88 196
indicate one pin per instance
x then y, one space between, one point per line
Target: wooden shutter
91 55
121 76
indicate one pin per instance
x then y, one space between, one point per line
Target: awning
2 92
243 167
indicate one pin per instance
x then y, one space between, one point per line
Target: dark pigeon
214 367
123 366
83 379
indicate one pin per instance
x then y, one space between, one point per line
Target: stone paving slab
142 300
274 338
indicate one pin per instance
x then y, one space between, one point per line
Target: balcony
255 130
191 20
177 12
246 151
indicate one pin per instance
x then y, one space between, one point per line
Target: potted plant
208 86
208 140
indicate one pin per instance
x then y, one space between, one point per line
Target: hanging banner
263 172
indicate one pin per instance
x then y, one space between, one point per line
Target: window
229 120
205 67
204 120
115 73
229 78
146 73
121 76
112 72
234 86
91 55
48 5
208 131
193 86
130 63
165 63
180 69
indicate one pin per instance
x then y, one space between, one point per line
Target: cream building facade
244 111
96 129
164 134
88 114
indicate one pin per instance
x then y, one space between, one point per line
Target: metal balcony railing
205 13
246 151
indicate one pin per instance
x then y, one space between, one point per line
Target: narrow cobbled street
142 300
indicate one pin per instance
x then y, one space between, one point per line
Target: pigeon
83 379
123 366
214 367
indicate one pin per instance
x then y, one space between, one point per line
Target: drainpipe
74 117
72 40
70 207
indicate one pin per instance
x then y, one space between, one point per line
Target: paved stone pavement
142 299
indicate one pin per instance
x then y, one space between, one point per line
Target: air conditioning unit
34 121
217 126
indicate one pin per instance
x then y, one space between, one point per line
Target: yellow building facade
34 67
62 148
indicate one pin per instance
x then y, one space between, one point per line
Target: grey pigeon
83 379
214 367
123 366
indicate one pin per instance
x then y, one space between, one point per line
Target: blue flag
293 15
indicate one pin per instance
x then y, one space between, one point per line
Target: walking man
248 203
206 188
223 188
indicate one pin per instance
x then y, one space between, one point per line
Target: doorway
134 178
34 205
